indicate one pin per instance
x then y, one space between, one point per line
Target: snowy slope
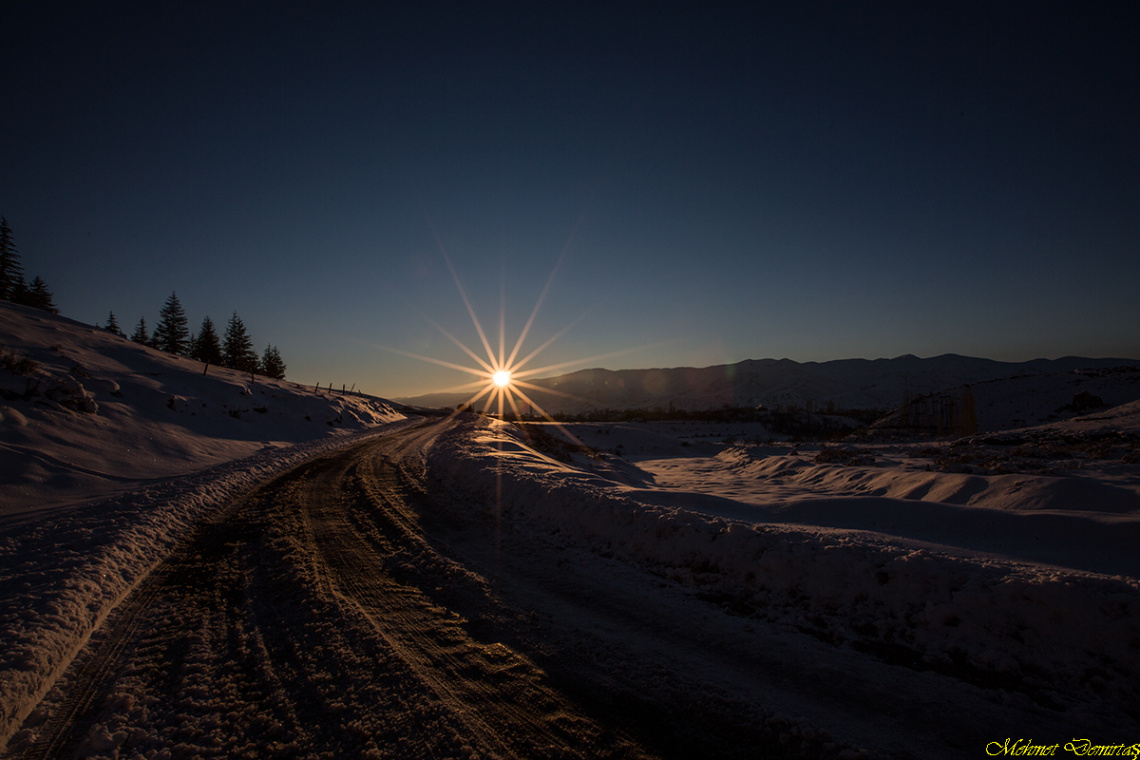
1031 399
91 413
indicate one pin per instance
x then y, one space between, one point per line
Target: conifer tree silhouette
11 271
237 347
272 365
207 346
172 334
140 334
38 296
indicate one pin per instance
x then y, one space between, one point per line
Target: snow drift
1064 635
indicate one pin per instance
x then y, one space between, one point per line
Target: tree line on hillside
172 335
12 285
233 350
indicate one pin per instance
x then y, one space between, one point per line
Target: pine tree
207 347
37 296
19 292
172 333
237 348
11 271
112 325
140 334
272 365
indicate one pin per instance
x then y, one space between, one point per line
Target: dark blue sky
706 182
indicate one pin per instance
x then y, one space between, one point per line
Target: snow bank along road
390 599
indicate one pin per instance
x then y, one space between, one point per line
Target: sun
502 384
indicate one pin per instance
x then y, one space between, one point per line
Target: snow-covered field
1001 569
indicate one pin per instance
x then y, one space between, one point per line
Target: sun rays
501 386
502 373
502 379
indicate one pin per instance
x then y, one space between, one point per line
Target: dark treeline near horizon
233 350
12 285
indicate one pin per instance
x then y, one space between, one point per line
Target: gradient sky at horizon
698 183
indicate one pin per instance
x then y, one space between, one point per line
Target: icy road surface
370 604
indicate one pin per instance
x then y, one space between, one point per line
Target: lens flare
502 384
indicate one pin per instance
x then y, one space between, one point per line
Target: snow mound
1062 635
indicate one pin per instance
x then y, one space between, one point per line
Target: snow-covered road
300 622
448 590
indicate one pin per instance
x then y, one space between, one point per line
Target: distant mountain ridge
779 383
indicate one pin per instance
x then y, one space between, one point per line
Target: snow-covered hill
85 413
844 384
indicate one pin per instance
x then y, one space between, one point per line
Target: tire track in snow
192 568
90 678
356 512
353 607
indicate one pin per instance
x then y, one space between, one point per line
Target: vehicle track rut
357 513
